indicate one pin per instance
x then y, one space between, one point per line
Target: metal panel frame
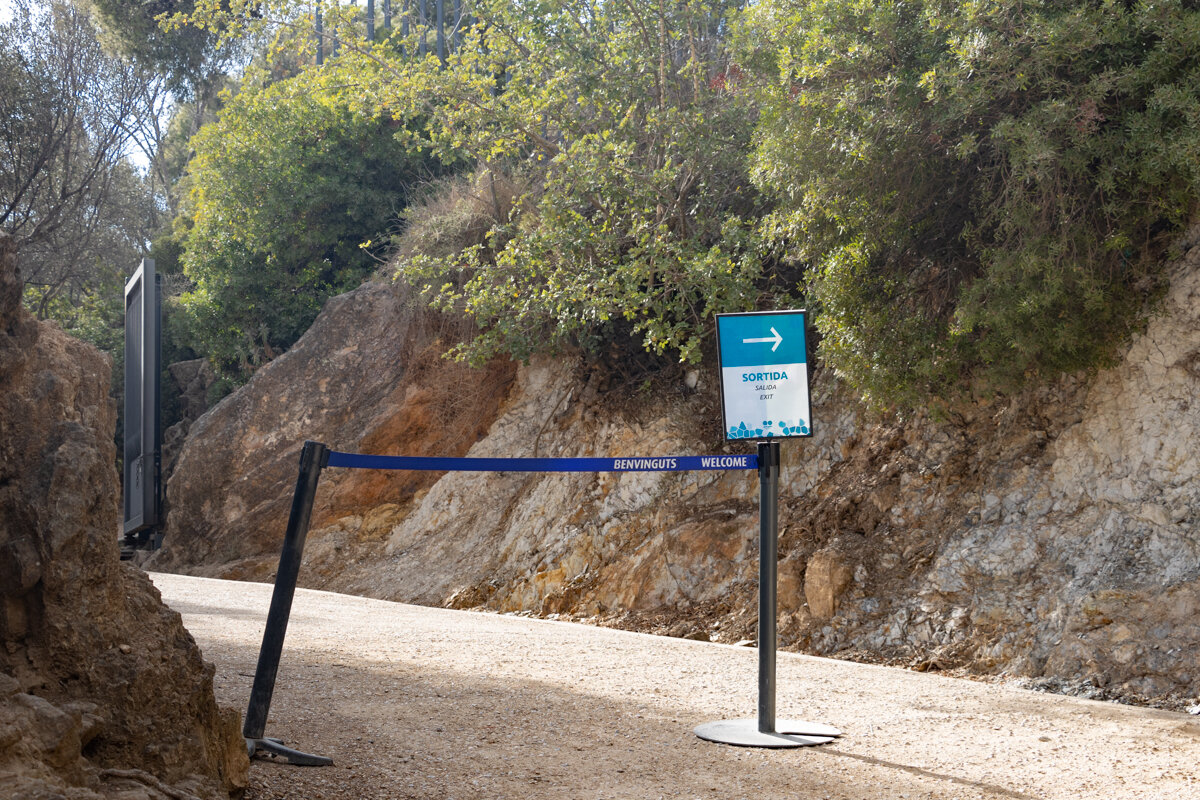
142 495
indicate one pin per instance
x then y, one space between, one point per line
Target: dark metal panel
142 445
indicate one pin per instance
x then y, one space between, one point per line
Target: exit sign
764 375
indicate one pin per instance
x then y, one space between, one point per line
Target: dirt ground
415 702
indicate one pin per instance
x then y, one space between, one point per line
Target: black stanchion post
768 533
767 731
313 459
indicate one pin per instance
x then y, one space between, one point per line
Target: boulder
102 691
827 576
368 377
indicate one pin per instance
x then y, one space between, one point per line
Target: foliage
192 60
622 123
289 191
977 194
68 195
77 277
640 215
978 189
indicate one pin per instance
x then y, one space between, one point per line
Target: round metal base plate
788 733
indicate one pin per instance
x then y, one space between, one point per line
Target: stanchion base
788 733
277 748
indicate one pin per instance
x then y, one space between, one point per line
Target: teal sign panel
764 375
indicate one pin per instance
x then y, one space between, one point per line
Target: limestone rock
827 576
18 331
193 379
367 377
96 674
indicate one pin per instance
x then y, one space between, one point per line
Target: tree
980 192
291 192
186 69
192 60
67 194
624 122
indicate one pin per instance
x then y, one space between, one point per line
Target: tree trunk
422 22
319 28
441 31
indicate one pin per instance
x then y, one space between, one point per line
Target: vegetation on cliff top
981 192
968 196
637 216
285 191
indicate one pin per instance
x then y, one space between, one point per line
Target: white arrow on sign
777 339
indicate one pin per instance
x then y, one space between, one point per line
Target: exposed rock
367 377
192 379
102 691
18 331
1052 535
559 542
826 577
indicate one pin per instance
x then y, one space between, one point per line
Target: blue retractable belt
648 464
316 456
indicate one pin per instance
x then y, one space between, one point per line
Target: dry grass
454 213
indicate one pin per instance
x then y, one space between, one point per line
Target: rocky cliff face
367 377
102 692
1051 536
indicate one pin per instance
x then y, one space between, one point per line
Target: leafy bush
981 190
289 191
639 216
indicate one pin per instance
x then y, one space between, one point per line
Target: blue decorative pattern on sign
768 430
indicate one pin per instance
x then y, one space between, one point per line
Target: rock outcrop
367 377
1050 536
191 379
103 694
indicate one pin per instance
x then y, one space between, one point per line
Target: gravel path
415 702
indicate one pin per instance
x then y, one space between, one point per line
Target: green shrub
637 218
981 191
290 192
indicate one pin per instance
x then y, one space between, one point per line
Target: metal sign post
764 395
768 562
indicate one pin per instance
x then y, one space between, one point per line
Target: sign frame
142 485
804 428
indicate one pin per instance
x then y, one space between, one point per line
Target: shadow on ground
398 731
